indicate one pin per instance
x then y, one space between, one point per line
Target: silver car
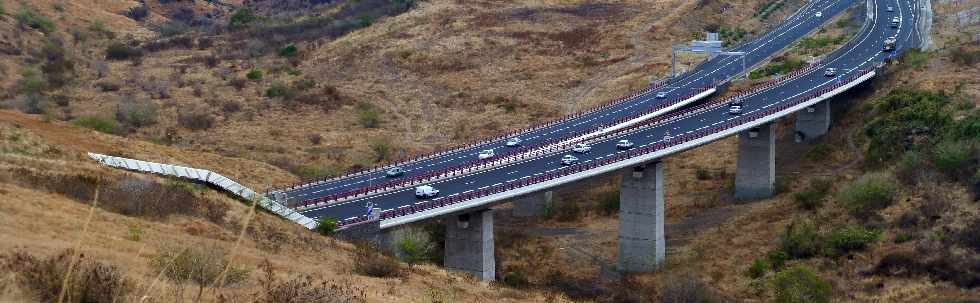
568 160
394 172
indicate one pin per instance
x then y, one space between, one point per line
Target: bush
30 82
253 74
799 284
90 281
120 51
801 240
868 194
369 261
326 226
702 174
241 18
901 114
414 249
136 113
970 236
288 51
777 259
962 55
566 211
303 289
910 168
28 18
195 120
201 266
279 89
174 28
813 197
138 13
516 278
98 124
914 58
686 288
368 115
57 68
953 157
757 269
382 150
850 238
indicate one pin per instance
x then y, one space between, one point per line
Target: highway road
705 75
865 52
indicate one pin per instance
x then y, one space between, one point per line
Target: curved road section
678 131
678 92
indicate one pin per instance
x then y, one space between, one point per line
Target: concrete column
755 171
642 246
533 205
469 244
813 122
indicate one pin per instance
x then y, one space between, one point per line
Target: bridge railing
633 153
479 142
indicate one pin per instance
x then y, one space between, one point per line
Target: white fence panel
206 176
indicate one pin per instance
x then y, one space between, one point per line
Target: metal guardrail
818 94
206 176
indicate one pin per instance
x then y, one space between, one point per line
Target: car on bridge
394 172
889 44
890 9
485 154
426 191
735 109
830 72
661 95
819 14
582 148
568 160
896 21
624 144
513 142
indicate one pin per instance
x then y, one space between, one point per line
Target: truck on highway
426 191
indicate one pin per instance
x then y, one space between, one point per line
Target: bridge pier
469 244
642 246
755 171
813 121
533 205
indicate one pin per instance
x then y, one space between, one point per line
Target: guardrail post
755 171
813 122
642 247
469 244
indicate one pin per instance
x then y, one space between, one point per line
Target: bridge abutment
755 171
533 205
813 122
469 244
642 245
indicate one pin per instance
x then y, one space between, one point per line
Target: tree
326 226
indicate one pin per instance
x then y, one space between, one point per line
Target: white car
661 95
485 154
581 148
830 72
426 191
891 9
735 109
624 144
394 172
568 160
896 21
512 142
819 14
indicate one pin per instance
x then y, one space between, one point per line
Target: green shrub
28 18
326 226
962 55
120 51
200 266
813 197
953 157
289 50
368 115
868 194
910 168
241 18
172 28
195 119
801 239
777 259
136 113
369 261
757 269
279 89
850 238
254 74
97 124
914 58
819 152
702 174
902 238
800 284
30 81
515 278
898 114
414 250
44 278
